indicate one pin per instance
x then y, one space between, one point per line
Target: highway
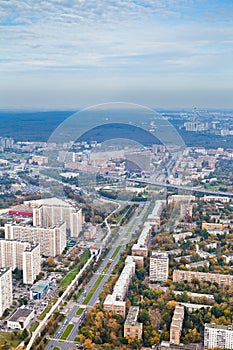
184 188
125 234
56 305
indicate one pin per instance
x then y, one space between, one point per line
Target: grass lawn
9 339
80 311
75 270
34 326
56 348
46 310
93 289
67 331
116 252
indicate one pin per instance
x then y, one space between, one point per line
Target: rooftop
219 326
20 314
131 319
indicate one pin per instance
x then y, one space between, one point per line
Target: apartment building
159 265
182 236
54 211
178 198
222 280
115 302
140 248
176 325
133 328
22 255
6 297
218 336
215 199
154 217
52 240
31 263
195 265
211 226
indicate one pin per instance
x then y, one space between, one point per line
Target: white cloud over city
75 53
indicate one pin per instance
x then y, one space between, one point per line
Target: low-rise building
115 302
176 325
140 248
222 280
193 307
195 265
195 295
20 319
216 199
133 328
178 198
212 226
154 217
181 236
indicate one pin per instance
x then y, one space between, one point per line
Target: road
56 305
122 240
184 188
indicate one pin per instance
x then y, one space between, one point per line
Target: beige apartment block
222 280
176 325
133 328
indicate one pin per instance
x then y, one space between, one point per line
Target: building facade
176 325
115 302
20 319
159 265
6 297
133 328
218 336
22 255
52 240
31 263
222 280
53 215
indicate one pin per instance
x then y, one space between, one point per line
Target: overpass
183 188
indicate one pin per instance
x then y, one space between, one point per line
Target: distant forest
38 126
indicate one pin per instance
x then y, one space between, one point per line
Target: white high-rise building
54 211
218 336
159 265
6 297
15 254
31 263
52 240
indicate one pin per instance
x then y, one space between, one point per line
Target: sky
71 54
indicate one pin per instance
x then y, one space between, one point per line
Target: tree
24 334
143 316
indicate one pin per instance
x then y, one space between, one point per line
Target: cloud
162 40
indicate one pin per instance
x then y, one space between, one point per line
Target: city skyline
68 54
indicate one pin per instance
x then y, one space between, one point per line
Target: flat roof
20 314
131 319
